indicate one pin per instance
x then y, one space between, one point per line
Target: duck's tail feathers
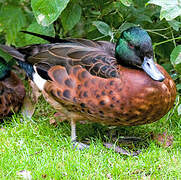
13 52
20 58
47 38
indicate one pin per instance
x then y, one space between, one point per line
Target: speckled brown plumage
96 57
133 99
12 93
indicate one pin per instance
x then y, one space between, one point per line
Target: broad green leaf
103 28
47 11
178 87
179 109
12 19
126 26
5 56
143 18
110 8
175 58
127 2
1 29
170 9
35 27
176 25
96 13
71 16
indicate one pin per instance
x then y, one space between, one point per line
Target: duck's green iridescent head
4 68
134 48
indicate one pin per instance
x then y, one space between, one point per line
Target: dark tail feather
20 58
47 38
13 52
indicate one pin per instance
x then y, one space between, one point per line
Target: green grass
46 151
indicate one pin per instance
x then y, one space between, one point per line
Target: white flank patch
38 80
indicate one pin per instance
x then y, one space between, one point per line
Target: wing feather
95 56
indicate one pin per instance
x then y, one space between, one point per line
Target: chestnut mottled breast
132 99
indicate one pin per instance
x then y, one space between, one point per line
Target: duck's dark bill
150 68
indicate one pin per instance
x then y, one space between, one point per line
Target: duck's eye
130 46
